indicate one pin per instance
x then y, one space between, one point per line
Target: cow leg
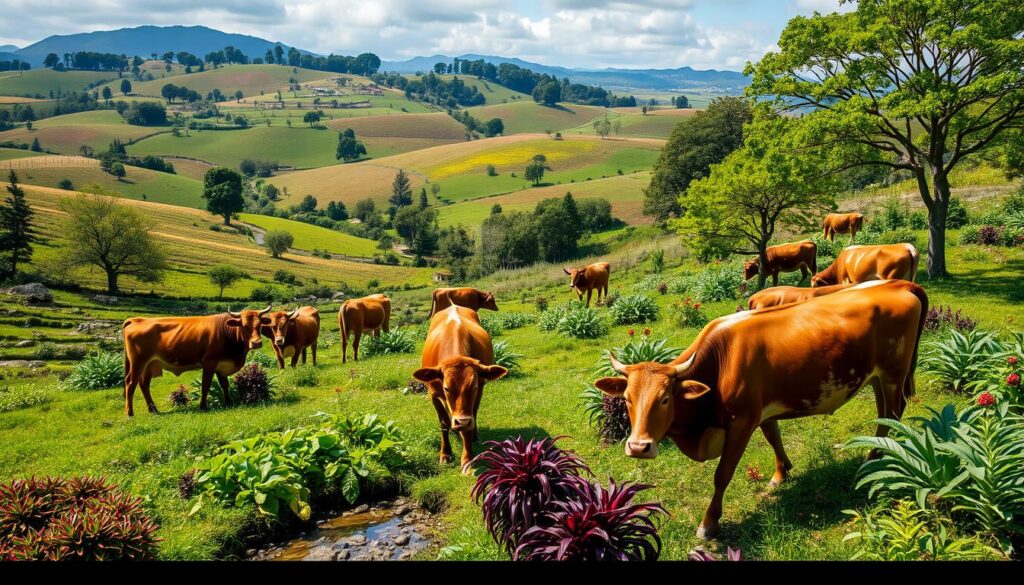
303 356
891 402
130 382
467 450
279 354
445 456
295 359
144 386
344 346
312 350
775 278
736 438
223 381
589 292
770 429
803 272
207 380
355 344
476 418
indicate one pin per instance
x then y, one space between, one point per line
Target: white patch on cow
730 320
833 394
856 263
774 409
453 314
911 249
867 284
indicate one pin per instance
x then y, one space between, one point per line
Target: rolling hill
40 82
250 79
399 133
65 134
529 116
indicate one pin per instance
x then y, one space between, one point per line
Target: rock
94 326
37 364
251 552
321 553
338 296
34 293
104 299
356 540
25 343
403 510
405 555
361 509
362 557
342 555
402 539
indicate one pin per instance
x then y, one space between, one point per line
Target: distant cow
863 263
802 256
356 316
293 333
784 295
217 344
470 298
754 368
458 359
843 223
589 279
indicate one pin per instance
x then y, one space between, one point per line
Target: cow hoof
445 459
706 533
774 483
467 469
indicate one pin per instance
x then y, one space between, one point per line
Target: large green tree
913 85
695 144
222 189
770 182
401 190
17 233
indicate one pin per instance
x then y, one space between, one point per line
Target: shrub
264 360
633 309
506 358
688 314
905 532
179 397
573 320
284 277
305 377
662 288
66 184
919 221
898 236
264 293
11 399
541 303
320 291
252 385
961 359
596 524
96 372
956 214
894 215
942 317
399 340
81 518
492 325
716 282
519 481
657 261
48 351
514 320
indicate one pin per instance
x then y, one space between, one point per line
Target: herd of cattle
796 352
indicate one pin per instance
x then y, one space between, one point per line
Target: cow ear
611 386
232 322
428 374
492 373
693 389
566 270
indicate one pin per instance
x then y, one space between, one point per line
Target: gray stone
25 343
94 326
342 555
338 296
403 510
33 292
37 364
322 553
405 555
402 539
356 540
104 299
361 509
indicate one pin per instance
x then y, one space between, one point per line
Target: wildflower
647 332
631 332
986 399
1012 360
1013 379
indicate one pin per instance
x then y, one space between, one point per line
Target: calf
754 368
293 333
589 279
217 344
784 295
863 263
470 298
802 256
371 313
458 359
843 223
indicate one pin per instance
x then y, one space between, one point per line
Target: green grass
139 183
639 125
40 82
529 116
13 153
494 93
299 146
312 237
251 79
65 134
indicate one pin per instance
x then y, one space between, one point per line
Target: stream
386 531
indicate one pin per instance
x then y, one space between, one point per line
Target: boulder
34 293
104 299
25 343
338 296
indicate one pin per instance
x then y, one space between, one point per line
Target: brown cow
371 313
843 223
863 263
754 368
470 298
784 295
216 344
802 256
293 333
589 279
458 359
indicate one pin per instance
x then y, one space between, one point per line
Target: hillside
396 134
298 146
250 79
65 134
40 82
529 116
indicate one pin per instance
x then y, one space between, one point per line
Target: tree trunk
937 227
762 269
227 219
112 282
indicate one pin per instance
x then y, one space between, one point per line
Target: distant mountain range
624 79
200 40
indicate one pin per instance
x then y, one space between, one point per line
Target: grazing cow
371 313
217 344
293 333
754 368
458 359
863 263
843 223
589 279
784 295
802 256
470 298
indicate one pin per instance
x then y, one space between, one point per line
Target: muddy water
388 531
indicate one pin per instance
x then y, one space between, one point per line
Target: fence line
48 161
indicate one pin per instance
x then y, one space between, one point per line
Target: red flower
986 399
1013 379
1011 360
647 332
631 332
697 306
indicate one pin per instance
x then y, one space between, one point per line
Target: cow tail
341 320
915 260
433 304
922 296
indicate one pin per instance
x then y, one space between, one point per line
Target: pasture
17 153
397 134
493 93
298 146
250 79
654 124
311 237
65 134
530 117
138 183
40 82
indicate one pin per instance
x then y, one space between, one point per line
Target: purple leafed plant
520 481
595 524
941 316
732 554
253 385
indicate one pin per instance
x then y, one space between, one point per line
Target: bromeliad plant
101 370
595 524
506 358
519 482
636 308
573 320
401 340
961 360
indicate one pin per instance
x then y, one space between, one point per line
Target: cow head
577 277
653 392
249 323
751 268
462 380
279 323
487 301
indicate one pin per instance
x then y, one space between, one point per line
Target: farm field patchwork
250 79
138 183
65 134
311 237
531 117
298 146
17 153
656 124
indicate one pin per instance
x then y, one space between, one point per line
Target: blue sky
722 34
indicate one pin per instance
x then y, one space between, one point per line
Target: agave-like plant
961 359
597 524
699 554
520 481
506 358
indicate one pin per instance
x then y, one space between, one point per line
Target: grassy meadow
65 134
528 116
40 82
311 237
250 79
298 146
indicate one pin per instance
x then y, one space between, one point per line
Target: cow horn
293 313
683 368
234 314
265 311
617 365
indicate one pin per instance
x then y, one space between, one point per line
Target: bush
284 277
492 325
716 282
305 377
11 399
657 261
941 317
514 320
252 385
48 351
399 340
264 293
519 481
905 532
277 242
541 303
264 360
919 220
320 291
506 358
956 214
960 360
66 184
96 372
179 397
573 320
688 314
631 309
898 236
82 518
